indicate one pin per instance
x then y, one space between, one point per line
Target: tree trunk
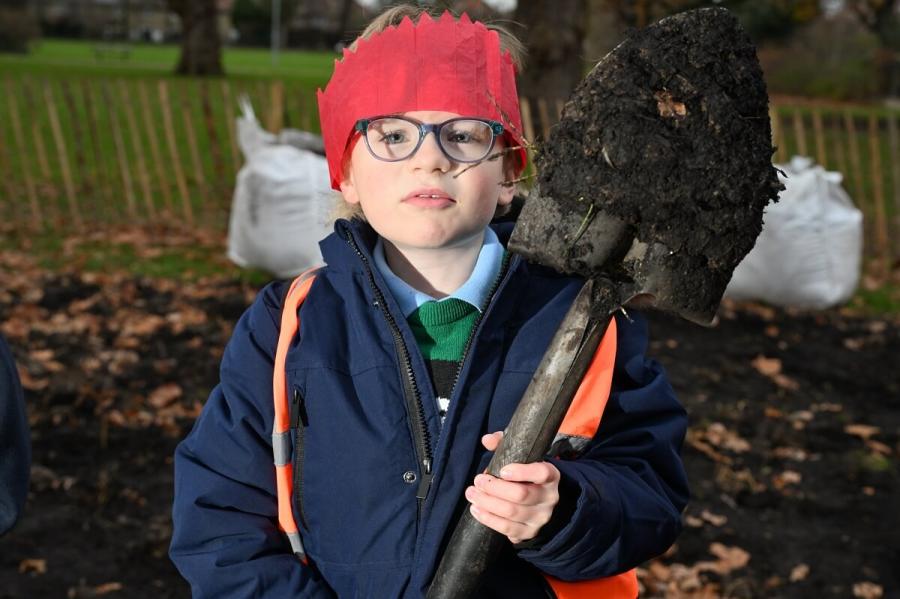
201 45
553 34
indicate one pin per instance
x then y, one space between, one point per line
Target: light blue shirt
474 291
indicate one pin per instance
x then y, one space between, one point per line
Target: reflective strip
568 446
583 417
281 448
297 545
621 586
283 476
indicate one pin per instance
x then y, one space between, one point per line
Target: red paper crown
444 65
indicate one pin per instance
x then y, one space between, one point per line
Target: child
15 448
415 344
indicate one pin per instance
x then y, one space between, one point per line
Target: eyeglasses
461 139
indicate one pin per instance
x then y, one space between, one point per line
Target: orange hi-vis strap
579 425
281 430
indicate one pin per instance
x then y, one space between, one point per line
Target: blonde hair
392 17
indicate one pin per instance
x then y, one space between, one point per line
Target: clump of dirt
659 170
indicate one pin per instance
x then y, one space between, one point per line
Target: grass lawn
53 58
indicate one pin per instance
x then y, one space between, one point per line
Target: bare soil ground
792 453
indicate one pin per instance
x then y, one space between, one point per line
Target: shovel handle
528 437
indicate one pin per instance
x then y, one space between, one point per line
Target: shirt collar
474 291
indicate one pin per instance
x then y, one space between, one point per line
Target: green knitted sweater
442 330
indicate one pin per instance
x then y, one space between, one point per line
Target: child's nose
429 156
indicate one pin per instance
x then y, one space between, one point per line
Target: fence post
173 152
856 166
63 156
819 135
229 118
121 155
894 143
190 134
212 135
800 133
40 151
19 139
276 107
138 149
881 236
103 191
527 121
839 153
155 152
78 137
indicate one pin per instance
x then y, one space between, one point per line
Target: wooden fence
78 153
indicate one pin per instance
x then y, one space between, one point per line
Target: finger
516 532
515 492
539 473
515 512
492 440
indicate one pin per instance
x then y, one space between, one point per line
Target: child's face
390 193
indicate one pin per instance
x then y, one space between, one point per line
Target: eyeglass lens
464 140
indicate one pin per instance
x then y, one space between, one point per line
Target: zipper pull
425 481
298 410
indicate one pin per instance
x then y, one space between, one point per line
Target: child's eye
393 137
459 137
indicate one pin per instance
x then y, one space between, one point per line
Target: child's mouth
429 198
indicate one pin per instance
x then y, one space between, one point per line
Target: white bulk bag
281 203
810 248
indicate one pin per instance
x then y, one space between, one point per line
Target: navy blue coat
15 449
362 525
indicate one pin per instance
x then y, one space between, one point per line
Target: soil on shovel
792 451
667 142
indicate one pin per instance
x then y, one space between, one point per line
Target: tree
763 19
881 18
17 26
201 44
553 33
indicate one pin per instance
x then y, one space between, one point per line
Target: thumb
492 440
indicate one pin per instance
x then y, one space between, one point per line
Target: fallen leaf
164 395
718 435
863 431
693 521
867 590
714 519
878 447
33 565
766 366
108 587
799 572
790 453
854 343
730 557
788 477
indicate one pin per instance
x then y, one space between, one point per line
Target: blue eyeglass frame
362 125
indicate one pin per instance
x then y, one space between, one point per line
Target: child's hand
518 504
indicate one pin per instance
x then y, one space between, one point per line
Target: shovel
652 187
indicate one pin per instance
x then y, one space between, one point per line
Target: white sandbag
810 248
281 203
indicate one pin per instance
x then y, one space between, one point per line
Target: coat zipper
504 269
414 408
299 422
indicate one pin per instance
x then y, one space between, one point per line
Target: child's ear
507 192
348 189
